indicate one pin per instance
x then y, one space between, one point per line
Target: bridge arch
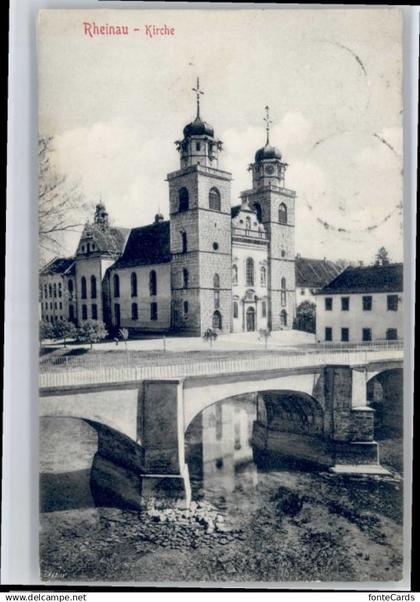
385 395
111 475
198 394
291 411
287 422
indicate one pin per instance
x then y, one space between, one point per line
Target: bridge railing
190 368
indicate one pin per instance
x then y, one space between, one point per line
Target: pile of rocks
199 515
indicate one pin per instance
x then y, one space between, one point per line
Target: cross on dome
198 92
267 122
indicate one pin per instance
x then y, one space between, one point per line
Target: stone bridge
312 406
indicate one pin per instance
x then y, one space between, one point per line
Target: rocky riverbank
293 527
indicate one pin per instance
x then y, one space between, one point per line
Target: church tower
200 232
275 207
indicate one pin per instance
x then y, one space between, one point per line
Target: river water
345 530
218 452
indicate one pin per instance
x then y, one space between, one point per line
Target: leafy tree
45 330
91 331
382 257
63 329
60 206
305 316
210 336
266 334
342 264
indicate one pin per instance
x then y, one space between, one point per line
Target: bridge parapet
96 374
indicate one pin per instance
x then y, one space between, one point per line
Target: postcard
221 296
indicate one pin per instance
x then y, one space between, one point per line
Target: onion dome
267 152
198 127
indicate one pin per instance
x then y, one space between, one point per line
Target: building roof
234 211
267 152
370 279
198 127
109 240
314 273
59 265
146 245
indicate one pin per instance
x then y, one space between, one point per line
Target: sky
333 80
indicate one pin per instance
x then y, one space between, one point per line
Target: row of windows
236 309
88 247
93 312
283 313
391 334
133 284
214 203
83 287
53 290
52 305
391 302
184 201
135 312
250 273
53 318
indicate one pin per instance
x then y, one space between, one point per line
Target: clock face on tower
269 169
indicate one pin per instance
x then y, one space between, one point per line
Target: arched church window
250 271
258 211
235 309
283 317
134 311
214 199
70 287
152 283
282 214
184 242
93 287
234 274
185 277
217 320
83 287
216 281
116 285
283 283
183 199
133 282
263 276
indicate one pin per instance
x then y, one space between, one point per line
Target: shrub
46 330
63 329
91 331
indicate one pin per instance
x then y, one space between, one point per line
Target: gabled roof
109 240
146 245
370 279
59 265
314 273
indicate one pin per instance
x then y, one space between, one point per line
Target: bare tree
60 206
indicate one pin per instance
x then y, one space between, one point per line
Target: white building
361 304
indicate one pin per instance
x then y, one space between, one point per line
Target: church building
211 265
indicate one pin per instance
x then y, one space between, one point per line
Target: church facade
210 265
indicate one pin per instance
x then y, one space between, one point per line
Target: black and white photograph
221 297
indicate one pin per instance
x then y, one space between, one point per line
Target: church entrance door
250 319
